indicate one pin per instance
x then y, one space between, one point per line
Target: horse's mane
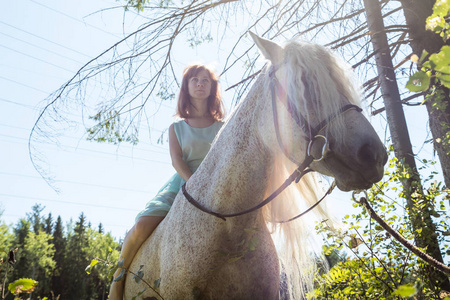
315 79
319 78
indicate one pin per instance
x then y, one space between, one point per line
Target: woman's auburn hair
215 105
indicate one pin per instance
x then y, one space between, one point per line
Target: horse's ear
271 50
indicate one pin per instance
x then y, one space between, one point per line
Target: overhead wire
165 150
76 182
45 39
42 48
17 68
17 103
22 84
92 151
69 202
73 18
41 60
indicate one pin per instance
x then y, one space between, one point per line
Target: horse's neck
235 173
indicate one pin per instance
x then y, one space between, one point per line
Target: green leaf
157 283
22 285
89 268
378 270
234 259
251 231
406 290
423 56
444 76
139 294
354 242
442 58
121 262
441 8
253 243
121 276
139 274
418 82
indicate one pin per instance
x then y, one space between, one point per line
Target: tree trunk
401 141
416 12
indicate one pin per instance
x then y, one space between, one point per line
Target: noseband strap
311 136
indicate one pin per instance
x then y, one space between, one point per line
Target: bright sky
42 44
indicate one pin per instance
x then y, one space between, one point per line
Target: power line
94 151
41 60
67 202
47 40
78 139
25 85
20 104
32 72
104 224
75 19
75 182
42 48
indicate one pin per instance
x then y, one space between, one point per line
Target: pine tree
48 224
76 262
35 218
59 283
21 232
39 252
100 228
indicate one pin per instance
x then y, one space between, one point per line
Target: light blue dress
195 144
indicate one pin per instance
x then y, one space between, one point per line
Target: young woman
200 109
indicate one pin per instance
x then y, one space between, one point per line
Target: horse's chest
249 271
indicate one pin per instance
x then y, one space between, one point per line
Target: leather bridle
311 135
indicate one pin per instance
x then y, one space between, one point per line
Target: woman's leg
131 244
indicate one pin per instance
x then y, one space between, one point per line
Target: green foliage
6 239
110 129
22 285
406 290
437 21
419 82
40 251
54 259
378 266
434 72
139 5
111 267
138 295
196 40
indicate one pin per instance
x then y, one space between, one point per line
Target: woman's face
199 86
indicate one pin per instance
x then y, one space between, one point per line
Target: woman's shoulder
178 123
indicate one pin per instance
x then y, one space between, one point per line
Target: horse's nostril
367 155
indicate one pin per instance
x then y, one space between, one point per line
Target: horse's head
313 95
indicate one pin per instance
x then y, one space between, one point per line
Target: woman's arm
176 154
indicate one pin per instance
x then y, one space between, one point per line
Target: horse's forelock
318 82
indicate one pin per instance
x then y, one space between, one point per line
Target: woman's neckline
185 121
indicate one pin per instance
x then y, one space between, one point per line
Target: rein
427 258
312 137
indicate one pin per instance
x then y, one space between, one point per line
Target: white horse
304 91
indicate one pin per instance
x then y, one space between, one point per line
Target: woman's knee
146 225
